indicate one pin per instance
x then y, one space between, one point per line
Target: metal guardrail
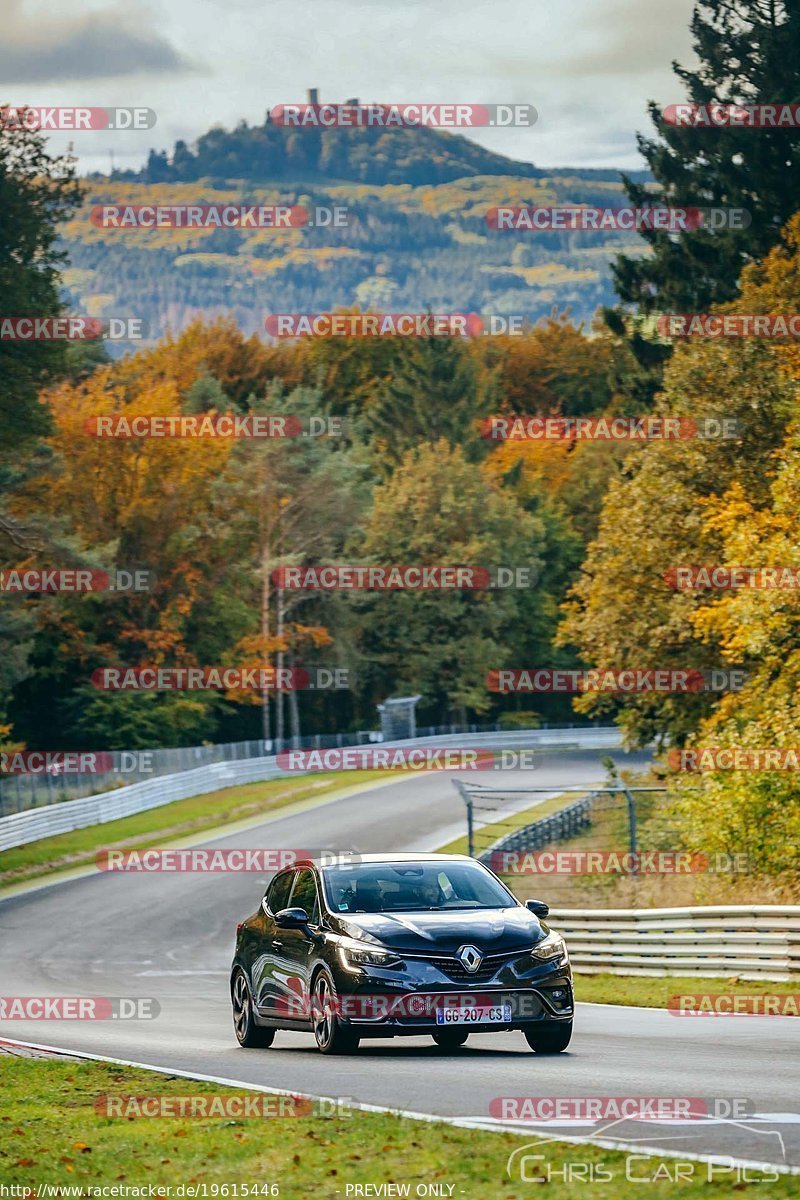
760 941
747 941
564 823
24 791
18 829
19 792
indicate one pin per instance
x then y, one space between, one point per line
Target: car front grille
454 969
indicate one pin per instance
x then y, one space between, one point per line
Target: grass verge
51 1134
649 991
180 819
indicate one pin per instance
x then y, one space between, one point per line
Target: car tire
248 1034
450 1039
331 1036
550 1040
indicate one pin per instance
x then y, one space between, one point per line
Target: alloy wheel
241 1007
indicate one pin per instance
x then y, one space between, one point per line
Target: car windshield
412 887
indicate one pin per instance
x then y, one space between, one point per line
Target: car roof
352 858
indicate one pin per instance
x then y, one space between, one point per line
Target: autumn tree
553 368
37 191
753 812
281 502
242 366
439 509
129 503
622 612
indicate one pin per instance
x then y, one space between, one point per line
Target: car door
268 966
298 948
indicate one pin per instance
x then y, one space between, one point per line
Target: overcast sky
588 66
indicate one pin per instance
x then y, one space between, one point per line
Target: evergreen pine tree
749 53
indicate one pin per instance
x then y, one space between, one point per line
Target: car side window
278 891
304 895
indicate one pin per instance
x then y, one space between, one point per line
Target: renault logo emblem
470 958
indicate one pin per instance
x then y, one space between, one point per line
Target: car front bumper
380 1006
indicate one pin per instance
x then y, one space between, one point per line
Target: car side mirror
537 907
291 918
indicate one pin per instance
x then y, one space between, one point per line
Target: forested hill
266 153
418 237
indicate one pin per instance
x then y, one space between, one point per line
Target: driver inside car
368 896
429 894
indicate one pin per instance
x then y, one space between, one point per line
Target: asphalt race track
170 936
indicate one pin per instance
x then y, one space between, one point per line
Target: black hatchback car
394 945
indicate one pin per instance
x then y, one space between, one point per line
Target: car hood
491 930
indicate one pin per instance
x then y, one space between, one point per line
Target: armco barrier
19 792
565 823
18 829
760 941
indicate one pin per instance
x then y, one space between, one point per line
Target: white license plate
474 1014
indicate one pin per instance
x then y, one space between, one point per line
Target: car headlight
353 954
551 947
